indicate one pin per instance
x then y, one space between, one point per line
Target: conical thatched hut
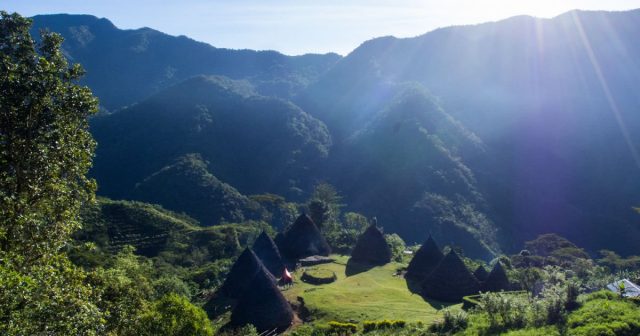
303 239
371 248
424 261
241 274
481 273
450 280
267 251
263 306
497 280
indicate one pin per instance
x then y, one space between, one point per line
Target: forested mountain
256 144
487 134
405 164
552 100
126 66
187 186
225 167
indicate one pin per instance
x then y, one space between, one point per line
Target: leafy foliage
616 263
175 315
397 246
45 153
47 298
610 316
45 144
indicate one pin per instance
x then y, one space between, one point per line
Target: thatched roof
241 274
497 280
481 273
303 239
425 260
263 306
371 248
450 280
267 251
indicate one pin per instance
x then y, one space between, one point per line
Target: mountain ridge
125 66
528 127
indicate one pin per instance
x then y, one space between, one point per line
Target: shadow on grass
354 268
415 287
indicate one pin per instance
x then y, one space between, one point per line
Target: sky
296 27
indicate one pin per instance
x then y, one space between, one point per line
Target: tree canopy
45 154
45 145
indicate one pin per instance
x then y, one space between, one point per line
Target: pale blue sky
300 26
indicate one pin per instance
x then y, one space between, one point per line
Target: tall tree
45 153
325 206
45 145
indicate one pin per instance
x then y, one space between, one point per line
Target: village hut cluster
447 278
252 282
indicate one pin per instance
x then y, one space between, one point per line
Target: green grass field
375 294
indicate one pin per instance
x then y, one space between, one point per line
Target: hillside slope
552 100
126 66
254 143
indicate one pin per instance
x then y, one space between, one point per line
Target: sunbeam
605 88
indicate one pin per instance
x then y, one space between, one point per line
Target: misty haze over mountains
483 135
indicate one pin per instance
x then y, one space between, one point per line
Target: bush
342 328
610 316
452 322
247 330
175 315
504 311
369 326
545 331
397 246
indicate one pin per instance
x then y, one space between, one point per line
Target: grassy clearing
375 294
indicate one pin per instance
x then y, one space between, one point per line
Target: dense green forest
429 134
176 196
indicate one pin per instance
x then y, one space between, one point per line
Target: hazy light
300 26
605 87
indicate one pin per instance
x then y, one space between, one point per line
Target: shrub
369 326
305 330
504 311
247 330
398 324
609 316
397 246
545 331
452 322
342 328
175 315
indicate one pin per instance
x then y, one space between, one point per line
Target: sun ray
605 88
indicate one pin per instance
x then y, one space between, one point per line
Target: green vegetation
318 276
368 326
605 314
187 186
156 232
175 315
45 153
376 294
72 266
232 128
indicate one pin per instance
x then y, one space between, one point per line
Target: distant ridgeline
483 135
